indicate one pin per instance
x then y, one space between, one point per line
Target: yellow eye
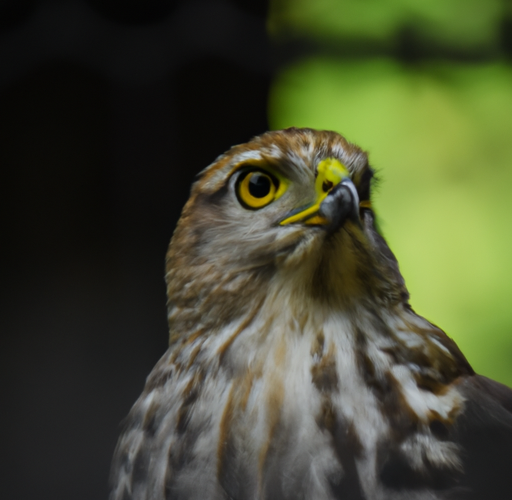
256 189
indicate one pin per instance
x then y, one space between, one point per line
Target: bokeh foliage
438 130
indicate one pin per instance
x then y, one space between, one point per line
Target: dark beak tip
341 203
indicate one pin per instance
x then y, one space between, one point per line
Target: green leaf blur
438 131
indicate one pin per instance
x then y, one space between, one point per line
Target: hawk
297 368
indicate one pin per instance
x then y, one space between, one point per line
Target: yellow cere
330 172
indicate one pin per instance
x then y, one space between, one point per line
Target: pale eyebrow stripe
252 154
289 164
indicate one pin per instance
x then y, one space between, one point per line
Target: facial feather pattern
296 367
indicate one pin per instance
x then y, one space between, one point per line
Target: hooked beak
336 198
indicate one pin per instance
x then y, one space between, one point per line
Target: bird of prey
297 368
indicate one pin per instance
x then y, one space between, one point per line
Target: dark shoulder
489 391
483 431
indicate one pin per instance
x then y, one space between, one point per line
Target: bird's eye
256 189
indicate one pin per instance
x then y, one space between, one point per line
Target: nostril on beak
327 186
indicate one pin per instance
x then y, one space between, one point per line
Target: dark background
108 109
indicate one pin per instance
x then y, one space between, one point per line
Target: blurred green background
425 88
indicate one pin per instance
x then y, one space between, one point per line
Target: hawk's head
290 208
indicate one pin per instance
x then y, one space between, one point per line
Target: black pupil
259 185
